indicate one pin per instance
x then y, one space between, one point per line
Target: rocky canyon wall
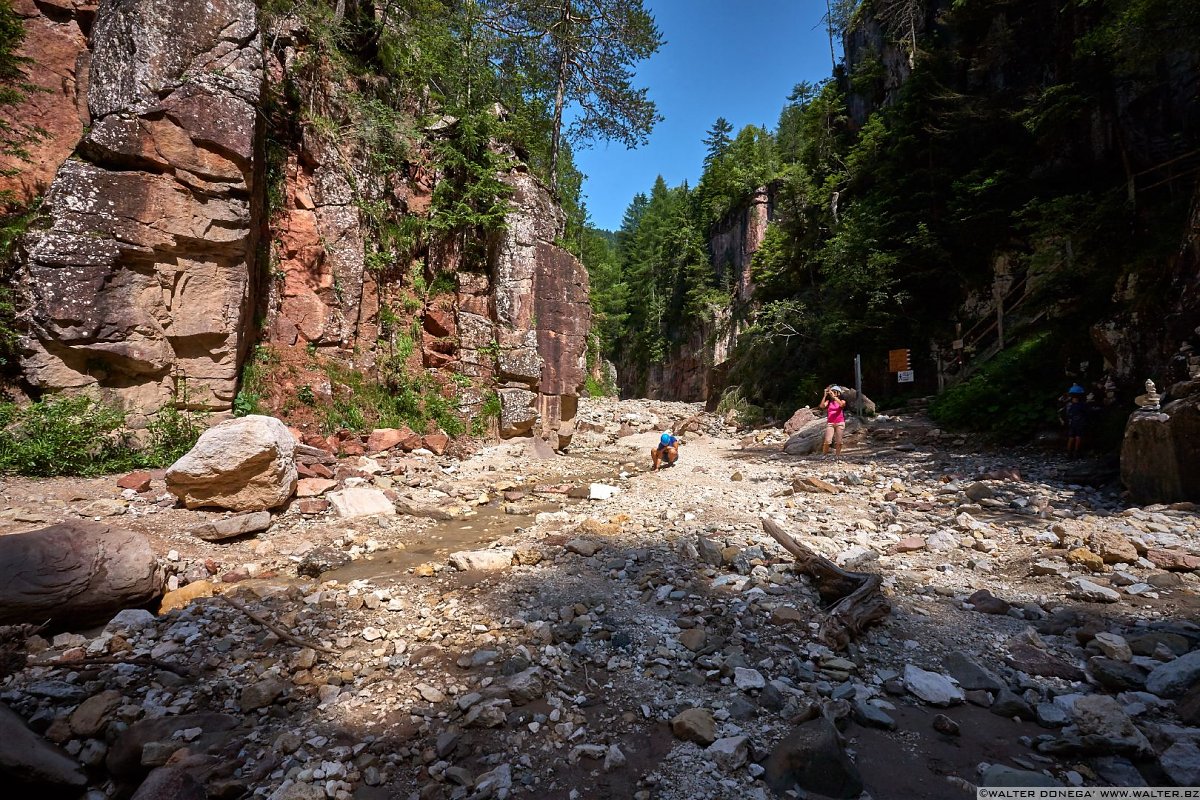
137 275
691 370
162 249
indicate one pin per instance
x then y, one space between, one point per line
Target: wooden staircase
988 336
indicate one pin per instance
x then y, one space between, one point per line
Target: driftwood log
75 573
854 598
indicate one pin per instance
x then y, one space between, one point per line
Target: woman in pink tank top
835 419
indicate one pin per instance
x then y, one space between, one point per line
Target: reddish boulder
75 573
436 442
386 438
1173 560
138 481
312 505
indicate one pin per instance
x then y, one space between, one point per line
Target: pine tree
583 52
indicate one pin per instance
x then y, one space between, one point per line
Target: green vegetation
81 435
732 401
893 197
489 412
361 404
1011 396
252 391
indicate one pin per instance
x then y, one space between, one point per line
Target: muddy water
436 542
484 526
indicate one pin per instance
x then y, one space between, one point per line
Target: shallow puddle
484 526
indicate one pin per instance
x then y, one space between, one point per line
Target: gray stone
970 674
482 560
710 551
220 529
583 547
29 759
261 694
746 679
1174 678
811 758
1088 592
1008 704
942 542
871 716
1117 676
1000 775
1181 762
979 491
525 686
729 753
1117 771
932 687
361 501
1050 715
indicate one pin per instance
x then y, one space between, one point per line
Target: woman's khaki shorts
831 428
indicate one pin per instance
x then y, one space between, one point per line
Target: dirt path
557 670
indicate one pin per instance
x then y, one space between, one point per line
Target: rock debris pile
626 633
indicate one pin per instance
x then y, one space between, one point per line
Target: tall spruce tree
583 53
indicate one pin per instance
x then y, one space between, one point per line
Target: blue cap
1076 389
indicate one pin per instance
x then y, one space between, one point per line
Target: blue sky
737 59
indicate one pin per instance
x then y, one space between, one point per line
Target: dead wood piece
275 629
855 597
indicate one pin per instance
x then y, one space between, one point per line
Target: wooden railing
986 337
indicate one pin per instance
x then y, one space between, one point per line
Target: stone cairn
1150 400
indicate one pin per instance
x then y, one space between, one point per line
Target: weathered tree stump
855 598
75 573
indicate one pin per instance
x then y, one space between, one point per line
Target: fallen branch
854 597
96 661
275 629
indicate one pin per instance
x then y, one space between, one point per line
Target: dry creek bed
654 644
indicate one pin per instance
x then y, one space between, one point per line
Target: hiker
835 418
1075 415
667 450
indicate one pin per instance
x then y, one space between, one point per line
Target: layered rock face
56 45
736 238
139 278
688 373
324 297
535 325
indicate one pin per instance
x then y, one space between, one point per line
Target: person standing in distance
835 419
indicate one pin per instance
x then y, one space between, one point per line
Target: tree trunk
75 573
560 92
855 598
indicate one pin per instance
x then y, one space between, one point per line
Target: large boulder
76 572
244 464
1160 455
808 437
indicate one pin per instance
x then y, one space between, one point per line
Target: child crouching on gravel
667 450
